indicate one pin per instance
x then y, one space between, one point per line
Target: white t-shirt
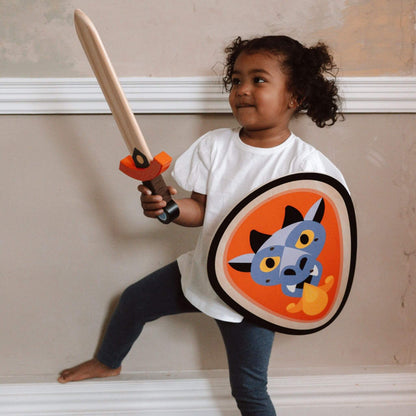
226 169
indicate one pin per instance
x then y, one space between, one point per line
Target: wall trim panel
184 95
381 394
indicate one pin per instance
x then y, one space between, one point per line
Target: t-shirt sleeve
319 163
191 170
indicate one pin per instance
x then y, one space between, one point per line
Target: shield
285 255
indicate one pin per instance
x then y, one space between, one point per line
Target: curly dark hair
310 72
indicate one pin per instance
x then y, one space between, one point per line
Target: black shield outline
212 274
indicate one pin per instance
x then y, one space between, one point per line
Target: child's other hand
153 204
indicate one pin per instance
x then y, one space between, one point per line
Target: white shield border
332 190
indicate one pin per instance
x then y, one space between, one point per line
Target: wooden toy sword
139 164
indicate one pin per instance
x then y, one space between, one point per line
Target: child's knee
130 297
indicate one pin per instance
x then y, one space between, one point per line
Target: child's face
259 97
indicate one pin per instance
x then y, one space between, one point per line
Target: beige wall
72 235
187 37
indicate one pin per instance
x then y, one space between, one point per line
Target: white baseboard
184 95
378 394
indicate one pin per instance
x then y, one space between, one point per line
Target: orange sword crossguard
139 164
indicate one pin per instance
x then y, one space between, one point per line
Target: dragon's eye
305 239
268 264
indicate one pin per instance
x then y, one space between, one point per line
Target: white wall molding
378 394
184 95
379 94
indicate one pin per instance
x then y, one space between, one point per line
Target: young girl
270 79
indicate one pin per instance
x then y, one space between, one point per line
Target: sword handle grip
158 187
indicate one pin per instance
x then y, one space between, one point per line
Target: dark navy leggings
160 294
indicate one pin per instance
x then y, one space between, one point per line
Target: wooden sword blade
110 85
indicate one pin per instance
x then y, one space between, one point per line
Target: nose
299 270
242 89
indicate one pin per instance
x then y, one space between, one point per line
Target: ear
316 212
294 102
242 263
292 215
257 239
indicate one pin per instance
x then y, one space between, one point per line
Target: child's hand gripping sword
139 164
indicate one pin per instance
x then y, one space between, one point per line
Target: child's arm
191 210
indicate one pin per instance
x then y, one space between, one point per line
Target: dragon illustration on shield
289 258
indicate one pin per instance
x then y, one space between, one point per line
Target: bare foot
90 369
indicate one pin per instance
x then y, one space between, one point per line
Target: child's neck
264 138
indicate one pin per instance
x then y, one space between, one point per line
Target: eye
268 264
259 80
305 239
235 81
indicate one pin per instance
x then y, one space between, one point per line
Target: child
270 79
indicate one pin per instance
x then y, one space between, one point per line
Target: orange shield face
285 255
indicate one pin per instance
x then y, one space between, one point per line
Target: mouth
244 105
314 272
